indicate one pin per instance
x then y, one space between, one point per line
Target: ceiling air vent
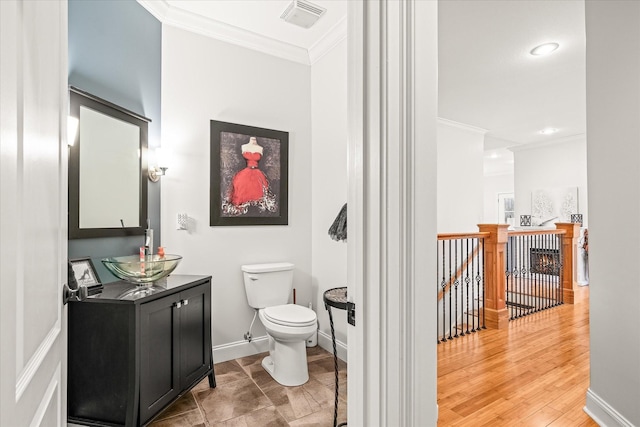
302 13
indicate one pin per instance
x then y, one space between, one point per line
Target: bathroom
182 80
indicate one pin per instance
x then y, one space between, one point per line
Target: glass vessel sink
132 269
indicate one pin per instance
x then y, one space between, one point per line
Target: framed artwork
84 273
551 205
249 175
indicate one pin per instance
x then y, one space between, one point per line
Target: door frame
392 107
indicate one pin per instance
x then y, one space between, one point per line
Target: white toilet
268 289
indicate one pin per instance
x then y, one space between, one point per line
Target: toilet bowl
288 327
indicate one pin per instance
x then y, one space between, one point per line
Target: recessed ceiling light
544 49
548 131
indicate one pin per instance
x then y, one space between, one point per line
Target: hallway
535 373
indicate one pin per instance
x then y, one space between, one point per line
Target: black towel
338 230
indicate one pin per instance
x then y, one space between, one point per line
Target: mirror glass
107 170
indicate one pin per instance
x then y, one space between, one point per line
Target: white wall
205 79
555 165
613 129
460 177
494 185
329 182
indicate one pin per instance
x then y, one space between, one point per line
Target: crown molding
185 20
208 27
463 126
552 142
329 41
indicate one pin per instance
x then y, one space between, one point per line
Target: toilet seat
290 315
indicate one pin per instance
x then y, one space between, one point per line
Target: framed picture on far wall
249 175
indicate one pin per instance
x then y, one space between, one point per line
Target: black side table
336 297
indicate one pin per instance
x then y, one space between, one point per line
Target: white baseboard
324 341
234 350
602 413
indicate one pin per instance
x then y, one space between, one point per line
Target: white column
392 215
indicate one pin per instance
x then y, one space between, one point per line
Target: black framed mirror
107 169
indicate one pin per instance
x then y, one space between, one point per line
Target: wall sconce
72 130
155 172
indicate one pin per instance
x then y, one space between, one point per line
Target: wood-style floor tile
266 417
252 366
300 401
323 418
186 419
231 400
227 372
186 403
323 370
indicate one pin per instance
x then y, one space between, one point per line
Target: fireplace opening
545 261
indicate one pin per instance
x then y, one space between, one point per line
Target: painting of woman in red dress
248 175
249 186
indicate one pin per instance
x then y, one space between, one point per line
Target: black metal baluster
469 254
537 278
546 270
561 254
516 275
474 263
509 278
455 284
521 291
526 291
450 295
481 281
530 295
443 286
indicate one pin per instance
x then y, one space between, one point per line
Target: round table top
336 297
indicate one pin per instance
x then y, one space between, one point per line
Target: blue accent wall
115 50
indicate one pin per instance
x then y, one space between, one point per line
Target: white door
33 212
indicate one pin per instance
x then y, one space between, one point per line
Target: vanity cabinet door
195 334
159 357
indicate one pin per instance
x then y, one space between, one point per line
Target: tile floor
247 396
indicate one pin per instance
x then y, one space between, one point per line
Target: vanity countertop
126 292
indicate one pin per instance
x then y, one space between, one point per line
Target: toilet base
287 362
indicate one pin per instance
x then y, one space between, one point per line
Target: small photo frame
576 219
525 220
84 273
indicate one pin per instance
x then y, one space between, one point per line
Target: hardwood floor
535 373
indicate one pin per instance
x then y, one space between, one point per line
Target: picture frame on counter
84 274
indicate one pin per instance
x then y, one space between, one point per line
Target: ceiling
487 77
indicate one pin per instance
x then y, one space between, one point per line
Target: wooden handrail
458 274
454 236
534 232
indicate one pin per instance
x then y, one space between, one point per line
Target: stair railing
485 279
460 288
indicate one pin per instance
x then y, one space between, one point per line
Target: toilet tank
268 285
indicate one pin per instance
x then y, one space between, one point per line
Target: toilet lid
290 315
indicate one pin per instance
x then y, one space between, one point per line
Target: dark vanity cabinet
133 351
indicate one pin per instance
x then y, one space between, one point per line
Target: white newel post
392 212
